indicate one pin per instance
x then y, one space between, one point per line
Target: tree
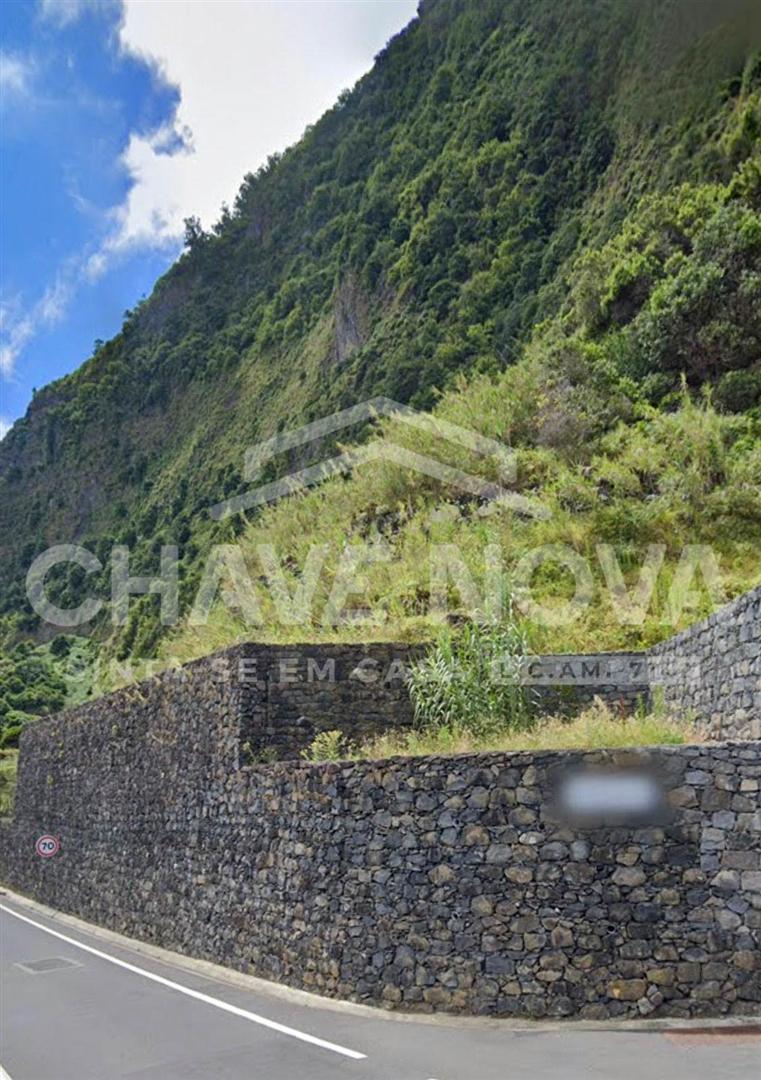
194 234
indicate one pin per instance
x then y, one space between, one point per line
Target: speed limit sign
47 846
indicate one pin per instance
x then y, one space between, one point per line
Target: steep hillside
476 195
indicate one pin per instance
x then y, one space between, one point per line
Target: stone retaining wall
462 884
467 883
281 696
291 693
569 682
713 670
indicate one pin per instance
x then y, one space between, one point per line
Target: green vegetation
37 680
326 746
687 476
539 223
594 729
8 766
470 681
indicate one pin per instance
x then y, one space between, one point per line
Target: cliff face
420 229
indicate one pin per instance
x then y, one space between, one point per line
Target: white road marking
205 998
4 1074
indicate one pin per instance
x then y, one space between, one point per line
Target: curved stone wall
472 884
534 884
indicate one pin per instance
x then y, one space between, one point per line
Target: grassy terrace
595 728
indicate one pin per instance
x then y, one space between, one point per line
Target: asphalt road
76 1007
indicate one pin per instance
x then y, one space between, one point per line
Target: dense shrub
471 681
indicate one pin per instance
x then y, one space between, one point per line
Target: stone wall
462 884
569 682
281 696
713 670
466 883
291 693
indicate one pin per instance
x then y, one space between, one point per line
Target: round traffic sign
47 846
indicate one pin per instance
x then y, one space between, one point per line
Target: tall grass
670 478
470 682
596 728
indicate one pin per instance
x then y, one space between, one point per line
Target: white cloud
15 330
64 12
5 427
252 76
19 326
15 74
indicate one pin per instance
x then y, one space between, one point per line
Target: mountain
549 213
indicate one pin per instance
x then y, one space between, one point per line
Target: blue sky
118 120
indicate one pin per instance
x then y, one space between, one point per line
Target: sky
119 119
